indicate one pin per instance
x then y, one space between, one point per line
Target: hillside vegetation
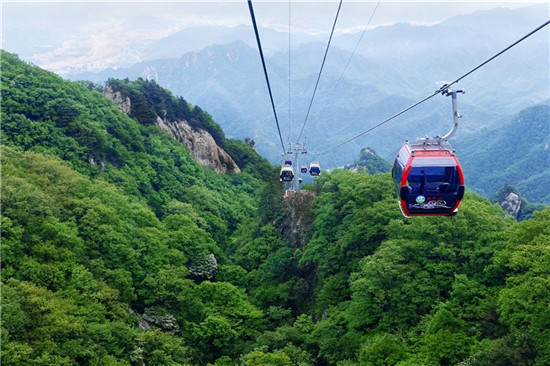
119 249
519 151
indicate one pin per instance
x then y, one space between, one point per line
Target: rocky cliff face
123 103
298 227
200 143
511 204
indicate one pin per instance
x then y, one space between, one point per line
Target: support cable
357 45
446 86
265 71
383 122
321 70
289 33
443 89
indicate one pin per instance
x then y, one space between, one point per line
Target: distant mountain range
394 67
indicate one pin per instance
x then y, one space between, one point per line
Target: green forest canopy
119 249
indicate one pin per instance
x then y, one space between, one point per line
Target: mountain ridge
383 67
516 153
200 143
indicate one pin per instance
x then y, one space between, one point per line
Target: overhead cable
446 86
357 45
289 33
440 90
265 71
320 71
381 123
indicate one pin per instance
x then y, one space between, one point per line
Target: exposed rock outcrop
511 204
124 104
299 224
200 143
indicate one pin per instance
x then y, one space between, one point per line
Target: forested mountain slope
369 159
119 249
518 152
129 211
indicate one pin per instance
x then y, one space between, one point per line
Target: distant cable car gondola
314 169
288 162
303 169
287 174
427 175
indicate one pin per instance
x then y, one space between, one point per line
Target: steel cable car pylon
287 172
427 175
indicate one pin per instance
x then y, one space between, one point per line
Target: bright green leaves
524 303
383 349
392 289
78 254
228 318
259 358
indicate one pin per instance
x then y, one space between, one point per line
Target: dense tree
119 249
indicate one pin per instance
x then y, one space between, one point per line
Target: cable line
357 45
381 123
265 71
320 71
289 104
440 90
495 56
355 49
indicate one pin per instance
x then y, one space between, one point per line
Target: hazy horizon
60 36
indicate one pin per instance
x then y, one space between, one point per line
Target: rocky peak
250 142
297 206
511 204
200 143
509 199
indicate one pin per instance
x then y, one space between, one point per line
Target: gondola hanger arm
438 140
456 115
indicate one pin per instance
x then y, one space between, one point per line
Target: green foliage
351 214
383 349
119 249
259 358
523 303
370 162
246 157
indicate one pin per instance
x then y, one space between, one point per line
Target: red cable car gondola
427 175
428 179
